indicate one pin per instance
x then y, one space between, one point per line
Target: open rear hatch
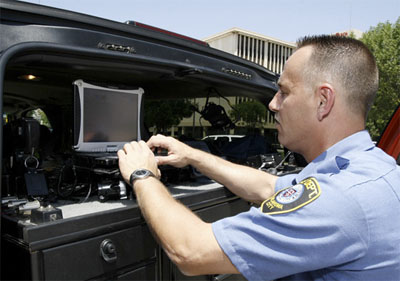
45 50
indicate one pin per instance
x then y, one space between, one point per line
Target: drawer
147 272
84 260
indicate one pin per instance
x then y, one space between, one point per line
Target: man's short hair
344 61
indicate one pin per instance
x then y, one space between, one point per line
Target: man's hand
136 155
178 152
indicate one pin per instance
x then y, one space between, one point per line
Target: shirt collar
336 157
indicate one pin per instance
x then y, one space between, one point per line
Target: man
338 219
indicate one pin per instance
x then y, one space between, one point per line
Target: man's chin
278 126
282 140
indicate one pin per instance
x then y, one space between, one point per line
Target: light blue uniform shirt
350 230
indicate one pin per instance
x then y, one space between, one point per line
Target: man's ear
326 95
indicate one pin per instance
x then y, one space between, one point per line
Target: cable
70 188
88 194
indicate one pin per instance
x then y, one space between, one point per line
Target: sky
287 20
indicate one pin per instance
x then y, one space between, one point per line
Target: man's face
294 105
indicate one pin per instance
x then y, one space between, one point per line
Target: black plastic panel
82 260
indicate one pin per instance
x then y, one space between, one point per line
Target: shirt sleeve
284 181
318 235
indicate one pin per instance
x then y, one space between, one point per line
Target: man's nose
273 105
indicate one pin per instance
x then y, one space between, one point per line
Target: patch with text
292 198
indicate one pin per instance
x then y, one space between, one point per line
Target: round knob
108 251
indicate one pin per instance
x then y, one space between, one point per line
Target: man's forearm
248 183
161 210
188 241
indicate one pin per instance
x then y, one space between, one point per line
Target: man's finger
162 160
135 145
121 154
143 145
157 141
128 148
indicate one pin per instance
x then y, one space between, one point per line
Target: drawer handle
108 251
221 277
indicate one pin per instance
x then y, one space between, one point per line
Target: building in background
269 52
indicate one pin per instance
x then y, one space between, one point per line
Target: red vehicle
390 139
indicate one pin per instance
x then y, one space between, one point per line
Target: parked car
227 138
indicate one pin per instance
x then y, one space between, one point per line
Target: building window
262 52
251 49
246 51
242 46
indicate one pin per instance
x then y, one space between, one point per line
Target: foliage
40 116
384 42
252 112
163 114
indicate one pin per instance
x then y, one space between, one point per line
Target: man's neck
328 139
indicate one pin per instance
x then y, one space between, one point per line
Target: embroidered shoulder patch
292 198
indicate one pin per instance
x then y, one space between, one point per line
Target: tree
163 114
252 112
40 116
384 42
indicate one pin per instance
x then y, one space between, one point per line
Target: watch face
141 173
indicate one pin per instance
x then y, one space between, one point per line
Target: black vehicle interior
39 159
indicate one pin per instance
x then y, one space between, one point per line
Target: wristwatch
140 174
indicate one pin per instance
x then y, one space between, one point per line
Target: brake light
142 25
